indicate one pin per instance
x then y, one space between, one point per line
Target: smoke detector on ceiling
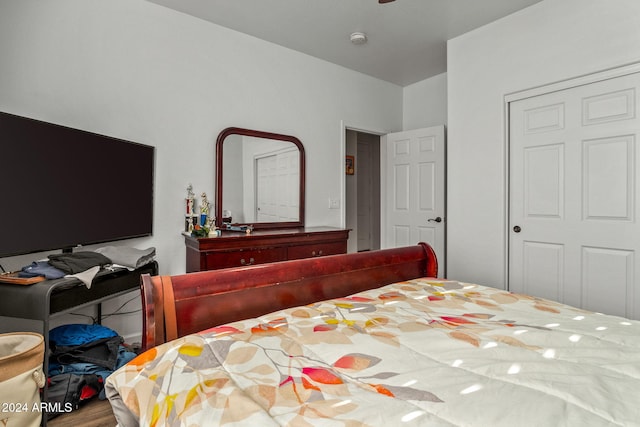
358 38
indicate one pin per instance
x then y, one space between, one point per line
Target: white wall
424 103
551 41
138 71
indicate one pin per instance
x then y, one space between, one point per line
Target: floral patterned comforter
424 352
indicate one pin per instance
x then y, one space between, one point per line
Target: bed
371 339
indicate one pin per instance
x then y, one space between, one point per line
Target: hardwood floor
95 413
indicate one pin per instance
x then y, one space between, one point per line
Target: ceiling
406 39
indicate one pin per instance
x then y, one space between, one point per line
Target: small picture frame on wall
350 165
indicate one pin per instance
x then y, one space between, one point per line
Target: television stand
23 307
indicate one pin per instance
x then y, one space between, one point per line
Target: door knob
436 219
517 229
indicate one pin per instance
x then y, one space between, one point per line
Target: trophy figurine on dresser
204 209
191 218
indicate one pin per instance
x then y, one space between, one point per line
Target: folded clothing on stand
78 262
41 268
128 257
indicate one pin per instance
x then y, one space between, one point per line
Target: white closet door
574 231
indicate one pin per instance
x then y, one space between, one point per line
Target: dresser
237 249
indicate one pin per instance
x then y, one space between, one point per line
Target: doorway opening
362 191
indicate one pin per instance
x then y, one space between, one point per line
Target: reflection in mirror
260 179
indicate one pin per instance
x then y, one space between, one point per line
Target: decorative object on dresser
190 216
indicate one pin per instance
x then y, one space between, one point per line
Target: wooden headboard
175 306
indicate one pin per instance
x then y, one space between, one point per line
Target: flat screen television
63 187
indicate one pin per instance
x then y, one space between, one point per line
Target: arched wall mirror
260 179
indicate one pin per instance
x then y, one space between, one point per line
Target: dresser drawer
246 257
263 246
314 250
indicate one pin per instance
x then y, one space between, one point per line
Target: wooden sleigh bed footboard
175 306
406 350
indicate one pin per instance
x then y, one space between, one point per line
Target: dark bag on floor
67 391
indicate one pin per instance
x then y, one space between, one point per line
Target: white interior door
414 189
574 235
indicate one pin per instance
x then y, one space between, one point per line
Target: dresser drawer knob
244 262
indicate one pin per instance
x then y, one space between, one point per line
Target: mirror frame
219 167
